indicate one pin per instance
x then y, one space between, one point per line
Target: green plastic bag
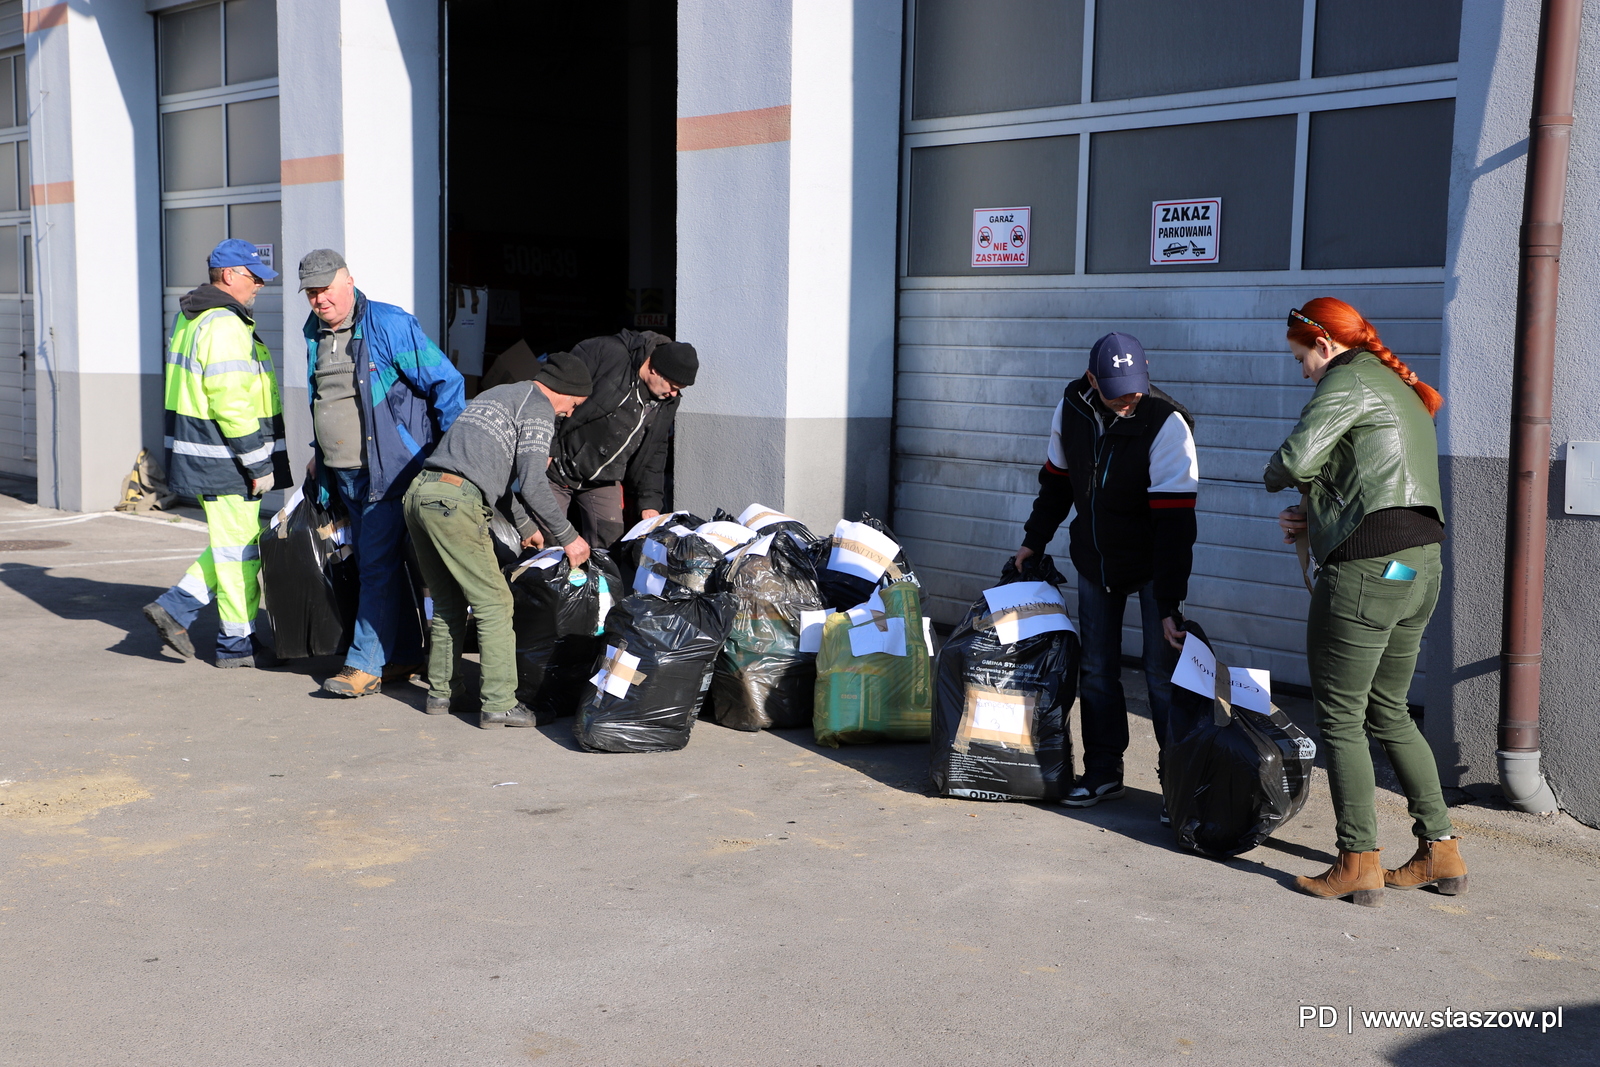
876 696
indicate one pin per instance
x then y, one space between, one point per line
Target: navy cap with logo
1119 366
236 253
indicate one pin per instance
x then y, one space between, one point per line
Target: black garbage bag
309 580
1000 726
1232 776
764 520
559 614
859 558
653 672
675 562
763 680
629 551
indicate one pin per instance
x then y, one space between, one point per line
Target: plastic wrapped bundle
677 558
1005 681
308 580
628 552
655 667
767 671
764 520
1232 776
560 613
874 673
858 558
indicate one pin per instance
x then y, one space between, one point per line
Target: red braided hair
1347 326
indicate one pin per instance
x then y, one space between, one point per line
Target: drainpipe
1528 500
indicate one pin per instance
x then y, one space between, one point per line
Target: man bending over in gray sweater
497 448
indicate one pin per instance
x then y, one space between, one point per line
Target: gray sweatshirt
500 441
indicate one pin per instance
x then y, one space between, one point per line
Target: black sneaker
1092 789
438 706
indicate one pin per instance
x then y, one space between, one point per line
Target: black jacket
608 425
1126 532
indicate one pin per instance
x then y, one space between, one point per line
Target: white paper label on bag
1000 716
760 546
862 551
1197 668
617 672
759 517
546 559
1197 672
868 639
867 610
679 529
727 536
644 526
645 579
927 633
811 630
1026 609
1252 688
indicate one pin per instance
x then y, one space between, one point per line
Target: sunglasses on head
1295 316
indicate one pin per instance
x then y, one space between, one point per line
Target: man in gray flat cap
382 396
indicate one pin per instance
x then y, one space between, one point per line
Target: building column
359 131
788 133
93 160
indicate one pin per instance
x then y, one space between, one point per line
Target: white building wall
1499 52
786 193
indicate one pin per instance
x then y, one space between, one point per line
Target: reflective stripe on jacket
409 394
224 418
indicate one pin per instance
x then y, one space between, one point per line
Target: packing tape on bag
868 553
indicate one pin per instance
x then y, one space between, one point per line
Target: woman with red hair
1366 459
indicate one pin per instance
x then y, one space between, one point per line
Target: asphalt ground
226 867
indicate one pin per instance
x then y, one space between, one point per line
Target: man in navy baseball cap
236 253
1118 367
1123 452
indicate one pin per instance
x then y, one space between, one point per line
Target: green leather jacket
1364 442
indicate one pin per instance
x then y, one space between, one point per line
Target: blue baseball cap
236 253
1119 366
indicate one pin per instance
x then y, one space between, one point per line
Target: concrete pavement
225 867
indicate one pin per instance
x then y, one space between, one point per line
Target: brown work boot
351 682
1357 875
1437 863
400 672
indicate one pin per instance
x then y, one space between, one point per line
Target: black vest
1113 534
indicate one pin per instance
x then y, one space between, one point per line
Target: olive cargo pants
1362 639
449 527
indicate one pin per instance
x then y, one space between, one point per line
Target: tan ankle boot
1357 875
1436 863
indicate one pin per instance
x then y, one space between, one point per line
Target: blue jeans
386 630
1102 704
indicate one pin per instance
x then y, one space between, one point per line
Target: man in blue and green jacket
382 395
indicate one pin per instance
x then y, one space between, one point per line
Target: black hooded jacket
620 423
1127 531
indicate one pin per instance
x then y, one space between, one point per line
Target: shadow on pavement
86 600
902 766
1575 1043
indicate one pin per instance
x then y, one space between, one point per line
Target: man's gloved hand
261 486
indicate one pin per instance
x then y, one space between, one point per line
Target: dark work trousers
600 508
1102 704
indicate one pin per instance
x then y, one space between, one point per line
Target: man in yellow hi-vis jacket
225 445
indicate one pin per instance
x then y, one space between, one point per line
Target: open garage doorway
560 168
